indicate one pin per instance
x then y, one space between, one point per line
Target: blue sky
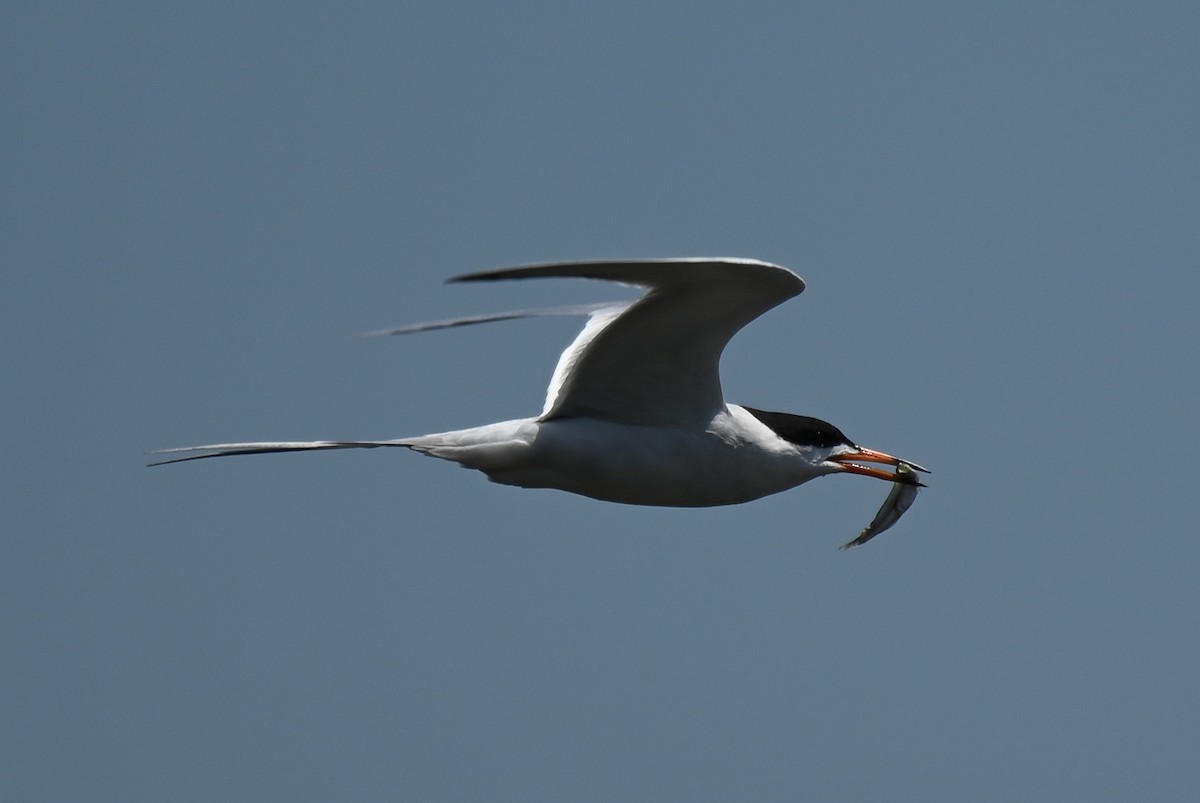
995 207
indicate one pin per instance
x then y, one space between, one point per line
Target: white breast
734 459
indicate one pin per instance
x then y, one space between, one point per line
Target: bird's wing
656 361
491 317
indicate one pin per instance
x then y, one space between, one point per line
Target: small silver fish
904 491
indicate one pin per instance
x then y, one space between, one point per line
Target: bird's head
829 451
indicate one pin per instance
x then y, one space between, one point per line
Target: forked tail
227 449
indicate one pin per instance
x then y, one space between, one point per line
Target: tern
634 413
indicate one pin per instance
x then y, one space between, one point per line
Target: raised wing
492 317
656 362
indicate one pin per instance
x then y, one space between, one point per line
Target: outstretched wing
656 362
492 317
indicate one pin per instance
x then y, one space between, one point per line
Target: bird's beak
849 462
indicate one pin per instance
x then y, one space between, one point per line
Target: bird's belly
645 465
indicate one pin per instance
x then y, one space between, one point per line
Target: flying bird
634 412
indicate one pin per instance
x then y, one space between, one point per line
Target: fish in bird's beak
897 503
904 488
850 463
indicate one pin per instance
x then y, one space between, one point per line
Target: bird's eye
818 436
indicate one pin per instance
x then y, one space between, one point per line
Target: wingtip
484 276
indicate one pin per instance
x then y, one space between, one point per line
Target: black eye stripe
802 430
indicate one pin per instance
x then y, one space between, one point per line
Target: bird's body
732 458
634 412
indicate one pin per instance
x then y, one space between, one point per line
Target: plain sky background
996 207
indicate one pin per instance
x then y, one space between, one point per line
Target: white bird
634 412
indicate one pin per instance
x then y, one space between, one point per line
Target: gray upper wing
656 361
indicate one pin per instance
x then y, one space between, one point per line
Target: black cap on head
802 430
